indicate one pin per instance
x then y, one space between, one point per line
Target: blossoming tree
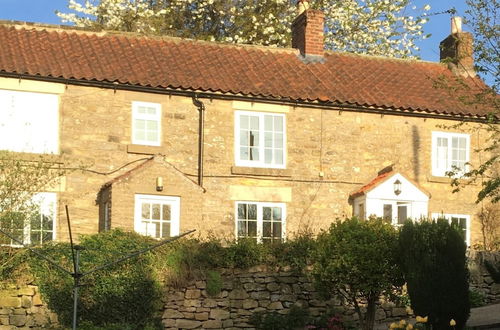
376 27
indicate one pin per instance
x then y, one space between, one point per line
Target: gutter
263 99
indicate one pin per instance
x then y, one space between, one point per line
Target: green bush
434 265
476 298
358 259
127 293
295 318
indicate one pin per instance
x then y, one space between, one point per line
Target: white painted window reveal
29 122
260 139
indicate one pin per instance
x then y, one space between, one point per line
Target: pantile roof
173 63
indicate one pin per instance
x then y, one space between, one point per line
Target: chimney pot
456 24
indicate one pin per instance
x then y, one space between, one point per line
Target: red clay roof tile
248 70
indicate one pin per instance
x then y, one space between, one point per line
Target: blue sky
43 11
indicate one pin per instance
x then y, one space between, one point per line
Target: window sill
143 150
447 180
258 171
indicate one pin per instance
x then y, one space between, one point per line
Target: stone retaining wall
480 278
244 293
22 308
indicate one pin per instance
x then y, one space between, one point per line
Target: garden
359 265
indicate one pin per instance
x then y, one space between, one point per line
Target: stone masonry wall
244 293
480 278
22 308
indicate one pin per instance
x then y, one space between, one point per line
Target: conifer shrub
433 261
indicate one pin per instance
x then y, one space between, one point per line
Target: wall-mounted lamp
397 187
159 183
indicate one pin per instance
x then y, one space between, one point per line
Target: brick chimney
307 31
456 49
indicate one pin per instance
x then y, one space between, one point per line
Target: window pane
254 153
268 139
140 124
244 154
268 123
166 212
277 213
165 230
47 237
140 135
277 229
35 238
252 211
388 212
254 138
152 125
242 229
402 214
254 123
47 222
152 136
36 222
278 156
156 211
278 140
278 124
266 213
268 156
244 122
252 228
242 211
266 229
244 138
146 211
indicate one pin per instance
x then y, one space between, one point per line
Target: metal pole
76 278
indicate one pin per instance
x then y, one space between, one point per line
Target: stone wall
244 293
480 278
22 308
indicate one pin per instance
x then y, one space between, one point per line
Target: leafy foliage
106 297
434 265
369 26
358 259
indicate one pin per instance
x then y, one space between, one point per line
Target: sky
43 11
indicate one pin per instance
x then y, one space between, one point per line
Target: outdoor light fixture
397 187
159 183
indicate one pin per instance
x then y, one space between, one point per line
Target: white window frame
260 206
29 122
442 171
261 161
449 216
175 206
141 116
47 203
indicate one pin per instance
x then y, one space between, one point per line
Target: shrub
476 298
126 293
434 265
295 318
358 259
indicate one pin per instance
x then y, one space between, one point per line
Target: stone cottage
236 140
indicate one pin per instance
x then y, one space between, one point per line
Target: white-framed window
29 122
260 139
449 151
264 222
35 228
146 123
157 216
462 221
396 212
